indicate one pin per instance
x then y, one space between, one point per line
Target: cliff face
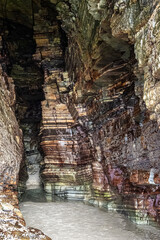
113 64
100 108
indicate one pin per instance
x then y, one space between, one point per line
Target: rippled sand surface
75 220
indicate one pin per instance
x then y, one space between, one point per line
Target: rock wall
100 127
11 136
119 92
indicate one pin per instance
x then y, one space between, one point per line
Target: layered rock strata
108 136
64 172
120 97
67 160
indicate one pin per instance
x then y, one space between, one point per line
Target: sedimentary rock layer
120 96
66 168
100 117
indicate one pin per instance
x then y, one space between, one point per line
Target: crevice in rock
28 79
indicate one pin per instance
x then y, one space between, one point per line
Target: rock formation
119 91
87 83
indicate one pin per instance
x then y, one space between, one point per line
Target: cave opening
28 78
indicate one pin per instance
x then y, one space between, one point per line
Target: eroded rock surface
119 91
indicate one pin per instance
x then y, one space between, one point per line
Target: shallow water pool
75 220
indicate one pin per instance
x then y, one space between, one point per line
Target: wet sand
77 221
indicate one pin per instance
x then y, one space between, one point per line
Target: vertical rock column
67 170
63 173
60 162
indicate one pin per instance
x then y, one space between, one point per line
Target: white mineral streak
151 176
